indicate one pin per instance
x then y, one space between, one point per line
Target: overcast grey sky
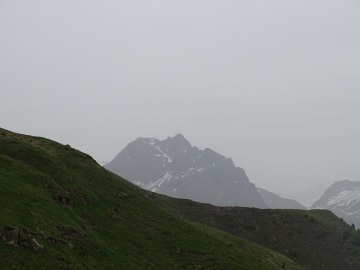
273 84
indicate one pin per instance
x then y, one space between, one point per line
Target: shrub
345 235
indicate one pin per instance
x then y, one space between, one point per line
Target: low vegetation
61 210
315 239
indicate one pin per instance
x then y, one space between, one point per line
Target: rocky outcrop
35 244
19 237
64 200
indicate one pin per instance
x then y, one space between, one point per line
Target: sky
273 84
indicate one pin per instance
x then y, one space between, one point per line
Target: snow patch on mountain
154 186
343 199
162 154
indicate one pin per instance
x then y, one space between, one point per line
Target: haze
273 84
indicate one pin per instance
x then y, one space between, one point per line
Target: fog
273 84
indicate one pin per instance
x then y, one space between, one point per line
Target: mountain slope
274 201
343 199
315 239
61 210
173 167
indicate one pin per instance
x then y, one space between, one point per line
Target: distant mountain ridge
274 201
176 168
343 199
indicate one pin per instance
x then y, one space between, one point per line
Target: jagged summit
176 168
179 137
178 143
178 140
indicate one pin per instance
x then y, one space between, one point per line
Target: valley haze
272 84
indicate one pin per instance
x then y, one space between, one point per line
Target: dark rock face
176 168
274 201
343 199
19 237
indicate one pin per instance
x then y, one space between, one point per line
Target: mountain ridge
315 239
274 201
176 168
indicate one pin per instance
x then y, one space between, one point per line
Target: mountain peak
179 137
178 141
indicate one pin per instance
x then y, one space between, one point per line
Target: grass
88 218
314 239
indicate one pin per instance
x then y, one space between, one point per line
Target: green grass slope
61 210
315 239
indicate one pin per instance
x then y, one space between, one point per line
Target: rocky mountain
274 201
175 168
343 199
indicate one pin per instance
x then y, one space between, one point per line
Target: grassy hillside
61 210
315 239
